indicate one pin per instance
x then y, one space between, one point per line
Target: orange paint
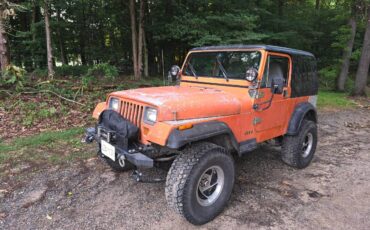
202 99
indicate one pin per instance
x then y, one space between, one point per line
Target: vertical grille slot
132 112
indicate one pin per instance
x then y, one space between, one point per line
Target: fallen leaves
3 192
2 215
26 115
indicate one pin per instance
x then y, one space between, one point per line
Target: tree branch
51 92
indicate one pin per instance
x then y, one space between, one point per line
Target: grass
53 147
329 99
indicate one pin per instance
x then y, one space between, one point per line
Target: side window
276 67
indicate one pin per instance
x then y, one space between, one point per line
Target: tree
133 34
134 39
63 55
347 53
4 52
141 37
7 9
138 36
363 66
48 40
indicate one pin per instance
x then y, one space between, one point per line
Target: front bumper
133 153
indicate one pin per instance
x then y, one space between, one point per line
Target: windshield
228 64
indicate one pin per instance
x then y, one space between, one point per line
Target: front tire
298 150
200 181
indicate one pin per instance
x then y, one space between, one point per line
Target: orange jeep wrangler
227 100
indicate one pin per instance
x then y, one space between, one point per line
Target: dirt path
332 193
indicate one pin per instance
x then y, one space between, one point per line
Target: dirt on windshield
332 193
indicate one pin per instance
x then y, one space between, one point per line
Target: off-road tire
292 146
183 177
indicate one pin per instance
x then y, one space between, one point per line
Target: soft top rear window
233 64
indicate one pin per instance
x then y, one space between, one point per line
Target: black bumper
131 154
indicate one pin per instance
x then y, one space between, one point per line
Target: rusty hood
184 102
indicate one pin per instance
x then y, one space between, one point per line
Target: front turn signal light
184 127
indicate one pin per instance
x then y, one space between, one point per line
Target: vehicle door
270 109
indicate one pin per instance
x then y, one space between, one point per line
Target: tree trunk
82 36
33 32
146 61
4 51
38 62
63 56
140 39
347 56
280 7
134 37
317 6
48 40
363 66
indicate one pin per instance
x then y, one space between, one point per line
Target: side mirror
277 85
174 73
251 74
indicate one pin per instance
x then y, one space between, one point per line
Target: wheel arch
216 132
302 111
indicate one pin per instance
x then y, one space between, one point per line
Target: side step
247 146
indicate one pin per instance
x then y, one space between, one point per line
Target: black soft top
271 48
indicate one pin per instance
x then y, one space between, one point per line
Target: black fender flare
300 112
198 132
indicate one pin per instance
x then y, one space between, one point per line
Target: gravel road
332 193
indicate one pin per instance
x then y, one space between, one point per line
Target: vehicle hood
184 102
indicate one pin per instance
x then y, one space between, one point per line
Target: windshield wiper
222 68
191 67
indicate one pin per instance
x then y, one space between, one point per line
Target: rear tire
200 181
298 150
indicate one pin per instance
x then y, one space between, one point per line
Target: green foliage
88 32
103 70
35 112
328 77
229 28
99 71
40 73
67 70
13 76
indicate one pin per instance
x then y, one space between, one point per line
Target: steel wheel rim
210 185
307 145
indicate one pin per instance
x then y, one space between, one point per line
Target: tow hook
89 135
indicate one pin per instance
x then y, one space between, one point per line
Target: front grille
132 112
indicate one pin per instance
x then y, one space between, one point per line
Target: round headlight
114 104
150 115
